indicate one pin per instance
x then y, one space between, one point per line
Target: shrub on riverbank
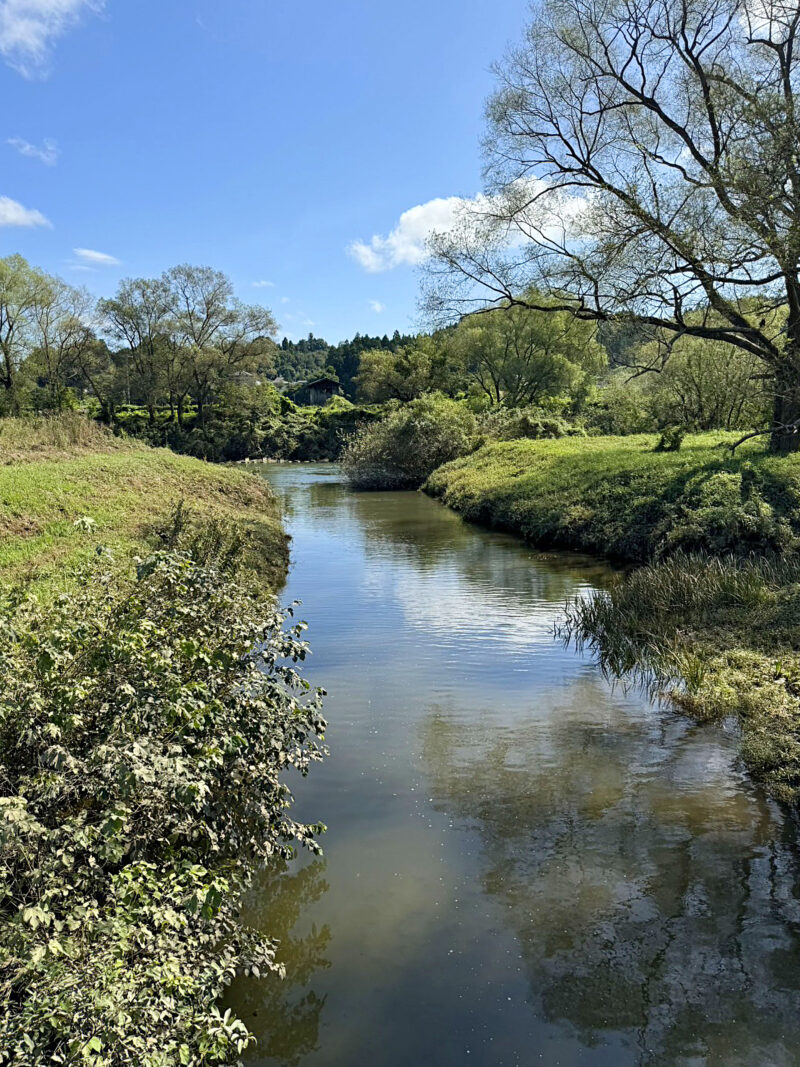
253 423
146 725
617 496
412 440
722 636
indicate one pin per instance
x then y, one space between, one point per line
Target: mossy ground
55 472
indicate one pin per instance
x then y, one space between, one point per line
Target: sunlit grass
72 470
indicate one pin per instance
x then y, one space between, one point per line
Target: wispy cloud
30 28
47 152
285 300
377 306
88 257
12 213
263 285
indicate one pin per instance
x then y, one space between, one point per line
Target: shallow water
524 864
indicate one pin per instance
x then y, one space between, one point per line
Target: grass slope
617 496
54 472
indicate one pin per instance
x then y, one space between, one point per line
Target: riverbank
150 711
711 617
617 497
57 472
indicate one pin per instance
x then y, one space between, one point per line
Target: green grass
54 472
618 497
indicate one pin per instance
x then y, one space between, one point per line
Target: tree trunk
785 436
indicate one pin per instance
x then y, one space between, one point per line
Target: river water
524 864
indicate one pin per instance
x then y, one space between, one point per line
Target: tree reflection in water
651 894
284 1014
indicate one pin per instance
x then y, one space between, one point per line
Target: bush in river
146 726
406 446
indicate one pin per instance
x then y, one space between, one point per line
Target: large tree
140 317
516 356
22 288
62 334
219 335
643 161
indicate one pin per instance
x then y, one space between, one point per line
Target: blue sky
303 146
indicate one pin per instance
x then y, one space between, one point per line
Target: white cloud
13 213
263 285
377 306
407 243
47 153
29 28
285 300
96 259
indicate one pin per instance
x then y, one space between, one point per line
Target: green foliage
619 407
617 496
671 439
146 728
406 373
510 424
721 635
519 357
253 422
706 385
401 450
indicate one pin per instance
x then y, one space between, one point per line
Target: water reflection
652 895
524 864
284 1013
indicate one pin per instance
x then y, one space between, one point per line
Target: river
525 864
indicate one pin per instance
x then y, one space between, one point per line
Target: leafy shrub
404 448
145 730
510 424
619 407
671 439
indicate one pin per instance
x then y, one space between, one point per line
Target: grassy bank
711 618
618 497
56 472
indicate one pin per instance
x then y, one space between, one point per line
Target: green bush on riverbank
402 449
143 751
619 497
144 744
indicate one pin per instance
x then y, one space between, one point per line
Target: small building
319 391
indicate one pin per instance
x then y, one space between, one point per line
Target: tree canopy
642 161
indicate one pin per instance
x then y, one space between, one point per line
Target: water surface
524 864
